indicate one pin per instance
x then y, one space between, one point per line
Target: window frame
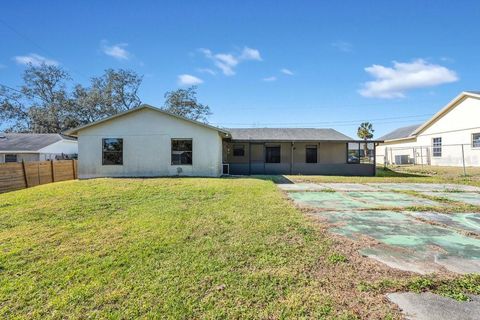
348 153
238 146
279 147
11 154
307 147
109 151
183 151
437 146
476 140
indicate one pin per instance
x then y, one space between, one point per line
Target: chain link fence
462 156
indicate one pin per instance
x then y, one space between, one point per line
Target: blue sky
263 63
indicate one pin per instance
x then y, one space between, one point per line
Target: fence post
421 156
463 161
53 170
73 168
25 173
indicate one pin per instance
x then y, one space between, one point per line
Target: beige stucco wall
455 128
147 138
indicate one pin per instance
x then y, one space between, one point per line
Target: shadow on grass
386 172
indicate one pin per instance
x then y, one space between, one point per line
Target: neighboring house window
437 147
476 140
238 150
112 151
10 158
182 151
353 152
311 154
272 154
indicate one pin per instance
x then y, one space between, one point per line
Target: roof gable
445 110
75 131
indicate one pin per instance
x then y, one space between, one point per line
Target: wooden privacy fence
15 176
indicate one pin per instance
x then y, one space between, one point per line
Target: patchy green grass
397 175
456 288
183 248
172 248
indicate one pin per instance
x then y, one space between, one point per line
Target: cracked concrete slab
429 306
432 187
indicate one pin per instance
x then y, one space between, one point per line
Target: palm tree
365 132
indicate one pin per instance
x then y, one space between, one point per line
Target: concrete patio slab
406 243
429 306
301 187
467 197
432 187
349 187
469 222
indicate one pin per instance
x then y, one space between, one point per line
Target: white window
437 147
476 140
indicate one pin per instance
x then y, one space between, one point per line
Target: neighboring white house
146 142
450 138
17 147
150 142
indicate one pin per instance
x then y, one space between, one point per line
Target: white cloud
36 60
343 46
250 54
227 62
403 76
206 70
116 51
270 79
188 80
287 72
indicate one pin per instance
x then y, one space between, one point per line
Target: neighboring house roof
74 131
288 134
29 141
400 133
414 130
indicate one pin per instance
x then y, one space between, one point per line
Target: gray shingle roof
474 92
287 134
400 133
29 141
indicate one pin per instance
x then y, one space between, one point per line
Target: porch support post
249 158
291 157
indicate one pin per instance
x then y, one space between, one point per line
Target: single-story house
18 147
147 141
450 138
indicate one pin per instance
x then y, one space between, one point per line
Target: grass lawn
184 248
411 174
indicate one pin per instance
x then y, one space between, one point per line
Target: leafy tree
365 132
44 104
41 105
183 102
115 91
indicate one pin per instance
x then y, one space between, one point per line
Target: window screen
272 154
10 158
182 151
353 152
437 147
311 154
112 151
476 140
238 150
